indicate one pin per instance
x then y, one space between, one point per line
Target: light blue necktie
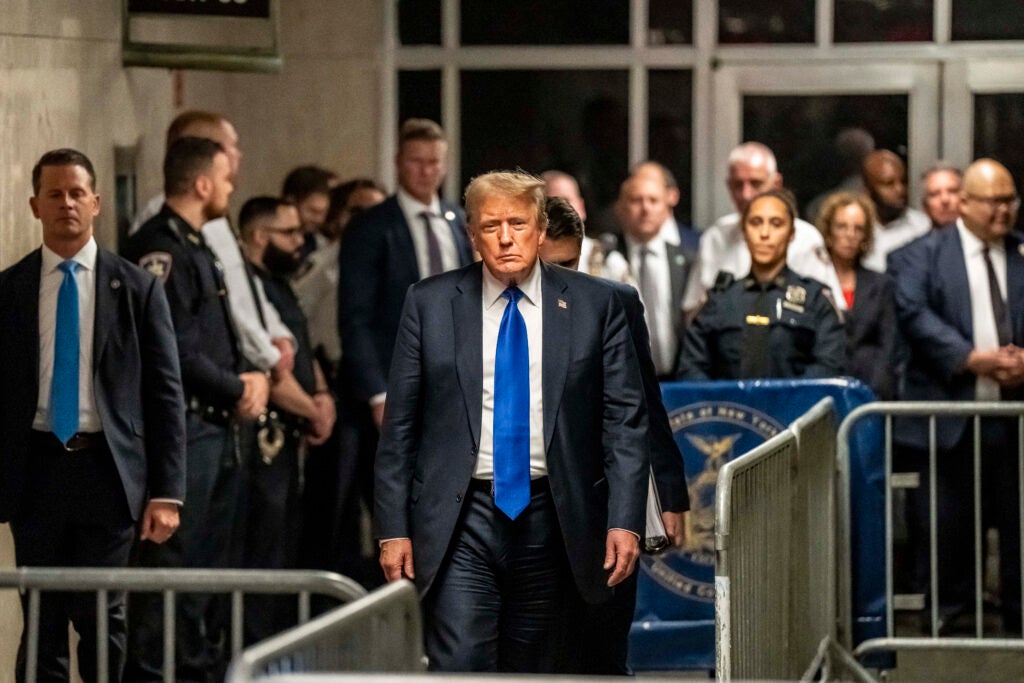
512 410
64 387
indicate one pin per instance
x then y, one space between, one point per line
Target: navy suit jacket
136 379
933 302
666 459
377 263
595 422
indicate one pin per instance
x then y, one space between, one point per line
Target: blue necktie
512 410
64 387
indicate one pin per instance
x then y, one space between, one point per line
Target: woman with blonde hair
846 221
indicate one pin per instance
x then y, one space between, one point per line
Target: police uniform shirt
787 327
722 247
168 247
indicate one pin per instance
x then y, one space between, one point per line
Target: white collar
86 257
414 207
530 287
971 243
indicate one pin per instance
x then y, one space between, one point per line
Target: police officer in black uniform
772 322
222 397
301 411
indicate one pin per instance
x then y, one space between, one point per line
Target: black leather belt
208 412
82 441
487 485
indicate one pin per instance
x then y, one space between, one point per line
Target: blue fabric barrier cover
714 422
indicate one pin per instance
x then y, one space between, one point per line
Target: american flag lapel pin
562 304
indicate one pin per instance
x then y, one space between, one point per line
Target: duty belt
209 412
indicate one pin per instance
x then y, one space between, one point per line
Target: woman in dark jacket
846 221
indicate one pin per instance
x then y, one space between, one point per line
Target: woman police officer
772 322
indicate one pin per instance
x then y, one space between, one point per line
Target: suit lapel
951 264
24 296
108 291
556 312
451 216
402 248
467 317
1015 283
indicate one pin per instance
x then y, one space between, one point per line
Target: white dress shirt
50 281
983 319
493 310
722 247
659 318
255 340
893 235
413 208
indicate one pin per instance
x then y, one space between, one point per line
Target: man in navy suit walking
513 462
960 301
92 418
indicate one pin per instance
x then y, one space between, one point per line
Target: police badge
157 263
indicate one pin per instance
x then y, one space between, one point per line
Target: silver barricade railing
930 410
771 505
169 582
379 632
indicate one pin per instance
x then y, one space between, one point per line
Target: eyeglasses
1011 202
287 232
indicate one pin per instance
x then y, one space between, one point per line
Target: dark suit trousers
211 535
75 516
501 599
955 517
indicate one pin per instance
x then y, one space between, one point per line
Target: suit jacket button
458 497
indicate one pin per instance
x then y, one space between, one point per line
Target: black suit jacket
136 380
872 333
666 460
681 260
595 422
933 302
377 263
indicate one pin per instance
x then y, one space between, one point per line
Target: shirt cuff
377 399
615 528
167 500
385 540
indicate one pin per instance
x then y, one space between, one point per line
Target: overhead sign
213 8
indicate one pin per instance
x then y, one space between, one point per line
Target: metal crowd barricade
774 521
932 411
379 632
103 581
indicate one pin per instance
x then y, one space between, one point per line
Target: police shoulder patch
157 263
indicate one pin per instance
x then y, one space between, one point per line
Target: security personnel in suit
409 236
771 323
221 397
603 630
513 462
661 254
91 417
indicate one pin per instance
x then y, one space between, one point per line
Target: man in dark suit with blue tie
409 236
960 302
513 461
92 417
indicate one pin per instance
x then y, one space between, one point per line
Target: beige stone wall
62 84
